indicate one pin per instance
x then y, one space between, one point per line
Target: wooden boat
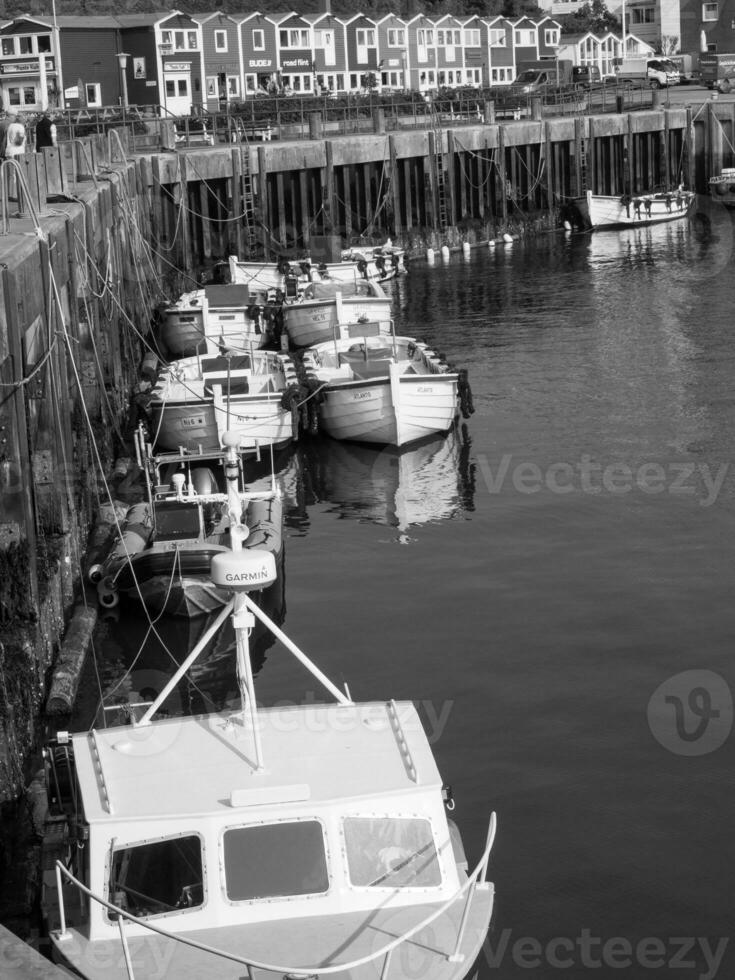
165 546
642 209
326 306
202 321
299 841
722 187
389 391
197 399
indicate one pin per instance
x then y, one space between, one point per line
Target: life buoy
284 267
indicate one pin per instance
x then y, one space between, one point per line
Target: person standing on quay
4 123
15 138
45 132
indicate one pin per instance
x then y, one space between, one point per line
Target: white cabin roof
204 764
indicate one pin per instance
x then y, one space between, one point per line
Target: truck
656 72
537 77
717 70
688 67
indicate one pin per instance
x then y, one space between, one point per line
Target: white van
656 72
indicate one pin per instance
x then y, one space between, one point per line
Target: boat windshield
391 852
158 877
275 860
175 520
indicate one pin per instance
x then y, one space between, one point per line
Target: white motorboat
163 550
385 390
326 307
310 840
196 399
606 211
204 320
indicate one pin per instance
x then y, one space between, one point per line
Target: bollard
379 120
536 107
466 249
316 126
445 253
430 256
620 104
656 98
489 112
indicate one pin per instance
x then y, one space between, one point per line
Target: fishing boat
307 840
164 548
291 276
203 320
385 390
610 211
324 307
196 399
722 187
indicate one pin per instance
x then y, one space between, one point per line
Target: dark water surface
533 580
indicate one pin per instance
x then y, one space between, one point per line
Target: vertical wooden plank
453 216
434 162
328 185
348 184
367 171
235 237
264 201
664 149
502 176
281 207
394 185
549 163
304 208
206 219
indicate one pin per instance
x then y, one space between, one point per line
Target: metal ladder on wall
583 165
441 177
248 204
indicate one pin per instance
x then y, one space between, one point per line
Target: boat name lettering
258 576
190 423
423 390
360 395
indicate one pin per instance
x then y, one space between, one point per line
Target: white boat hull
390 413
644 209
722 187
259 421
314 321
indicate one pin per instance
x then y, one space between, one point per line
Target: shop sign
177 66
25 67
296 63
263 63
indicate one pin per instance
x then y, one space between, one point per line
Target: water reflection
433 480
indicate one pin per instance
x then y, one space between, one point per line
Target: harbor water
552 584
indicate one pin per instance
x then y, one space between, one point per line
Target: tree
669 44
593 17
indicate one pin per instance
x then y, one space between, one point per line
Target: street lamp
122 58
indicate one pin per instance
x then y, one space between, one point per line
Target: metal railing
476 880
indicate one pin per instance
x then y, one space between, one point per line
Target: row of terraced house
180 62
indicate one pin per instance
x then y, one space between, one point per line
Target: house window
167 37
93 93
551 37
448 38
220 40
498 39
397 38
258 40
501 76
472 38
365 38
525 38
294 38
709 11
8 47
21 97
43 42
191 37
424 37
643 15
25 45
473 76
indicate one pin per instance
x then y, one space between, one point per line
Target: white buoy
491 243
567 226
507 238
445 253
430 256
466 249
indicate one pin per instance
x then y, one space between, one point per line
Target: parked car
726 84
586 75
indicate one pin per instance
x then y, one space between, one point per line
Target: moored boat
298 841
722 187
385 390
197 399
326 307
205 319
611 211
164 548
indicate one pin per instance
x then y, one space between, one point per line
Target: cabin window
391 852
158 877
275 861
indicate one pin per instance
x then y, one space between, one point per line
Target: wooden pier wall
105 235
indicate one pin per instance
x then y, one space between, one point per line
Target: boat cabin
185 831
